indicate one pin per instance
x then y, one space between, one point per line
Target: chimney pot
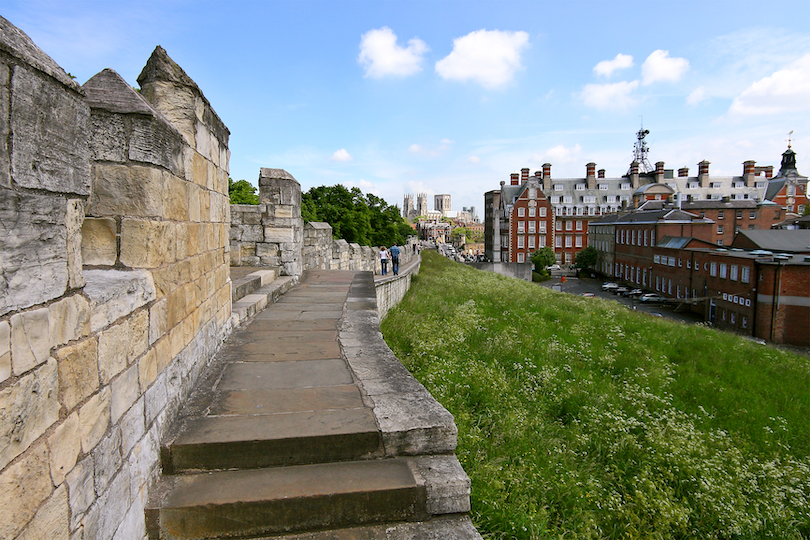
601 173
683 172
515 179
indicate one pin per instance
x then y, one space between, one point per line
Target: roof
785 240
663 214
681 242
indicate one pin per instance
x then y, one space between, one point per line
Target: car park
609 286
651 298
620 291
634 292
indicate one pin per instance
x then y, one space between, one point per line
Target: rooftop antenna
790 136
640 151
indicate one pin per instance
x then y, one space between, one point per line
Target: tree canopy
242 192
587 258
543 257
365 219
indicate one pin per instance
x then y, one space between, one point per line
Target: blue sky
452 96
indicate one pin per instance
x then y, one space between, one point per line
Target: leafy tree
587 258
355 217
242 192
543 257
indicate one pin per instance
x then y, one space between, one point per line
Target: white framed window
521 227
558 187
542 242
652 238
752 214
580 187
568 241
568 199
625 186
558 225
646 234
521 212
719 229
542 211
569 225
521 242
531 242
532 211
579 225
713 269
558 241
603 187
532 227
578 242
521 257
657 259
723 270
671 261
745 274
692 185
589 199
733 271
721 215
633 241
543 227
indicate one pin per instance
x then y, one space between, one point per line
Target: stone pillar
283 224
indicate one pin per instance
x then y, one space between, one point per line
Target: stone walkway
307 423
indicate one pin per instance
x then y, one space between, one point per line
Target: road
575 285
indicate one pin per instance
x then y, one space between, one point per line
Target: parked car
587 294
651 297
634 292
609 286
553 267
620 291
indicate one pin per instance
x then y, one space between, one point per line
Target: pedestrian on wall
395 259
384 260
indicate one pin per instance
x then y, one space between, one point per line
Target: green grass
580 419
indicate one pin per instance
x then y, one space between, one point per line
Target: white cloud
488 57
559 155
615 96
364 185
447 142
787 90
475 160
660 67
342 155
606 68
697 95
425 151
380 55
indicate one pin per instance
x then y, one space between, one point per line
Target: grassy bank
581 419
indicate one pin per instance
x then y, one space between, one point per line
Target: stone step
249 442
252 503
243 285
450 527
253 303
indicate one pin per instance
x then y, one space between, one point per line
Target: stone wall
391 290
272 233
114 284
516 270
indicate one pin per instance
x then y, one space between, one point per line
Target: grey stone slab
271 375
302 336
247 402
414 424
452 527
261 324
285 351
276 440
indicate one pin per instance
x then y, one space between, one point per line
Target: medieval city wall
114 284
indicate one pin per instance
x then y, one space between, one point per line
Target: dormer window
603 187
558 187
625 185
580 187
692 185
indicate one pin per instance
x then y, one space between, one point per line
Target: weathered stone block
94 419
107 137
50 151
193 203
146 244
33 251
107 459
78 372
115 293
30 407
125 390
30 339
132 427
24 487
119 345
158 326
175 198
103 518
126 190
156 142
175 102
65 445
5 350
70 319
81 487
278 235
51 521
73 226
99 242
247 233
5 163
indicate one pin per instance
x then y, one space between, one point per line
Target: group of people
392 255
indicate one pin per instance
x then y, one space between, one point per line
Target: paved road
575 285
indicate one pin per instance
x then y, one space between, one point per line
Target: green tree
543 257
587 258
365 219
242 192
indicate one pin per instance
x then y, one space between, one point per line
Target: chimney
703 173
515 179
524 176
683 172
659 172
749 172
600 173
768 171
590 176
546 176
538 175
634 174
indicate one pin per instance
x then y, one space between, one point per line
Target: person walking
384 260
395 259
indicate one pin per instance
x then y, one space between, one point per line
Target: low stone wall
391 290
114 287
515 270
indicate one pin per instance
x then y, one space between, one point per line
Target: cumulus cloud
488 57
787 90
380 55
364 185
342 155
475 160
697 95
559 155
660 67
606 68
614 96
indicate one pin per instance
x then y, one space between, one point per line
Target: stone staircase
252 289
306 426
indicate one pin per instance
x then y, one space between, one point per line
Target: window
521 242
759 185
558 241
567 241
580 187
745 274
558 226
723 270
657 259
669 289
568 199
542 211
532 227
579 225
542 242
569 225
752 214
692 185
733 317
532 211
521 212
542 227
720 242
531 242
521 257
689 264
721 215
791 190
646 232
521 227
739 214
603 187
558 187
652 238
633 243
657 287
744 321
680 262
719 229
625 186
589 199
644 278
713 269
578 242
671 261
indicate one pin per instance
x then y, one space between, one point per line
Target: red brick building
526 219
